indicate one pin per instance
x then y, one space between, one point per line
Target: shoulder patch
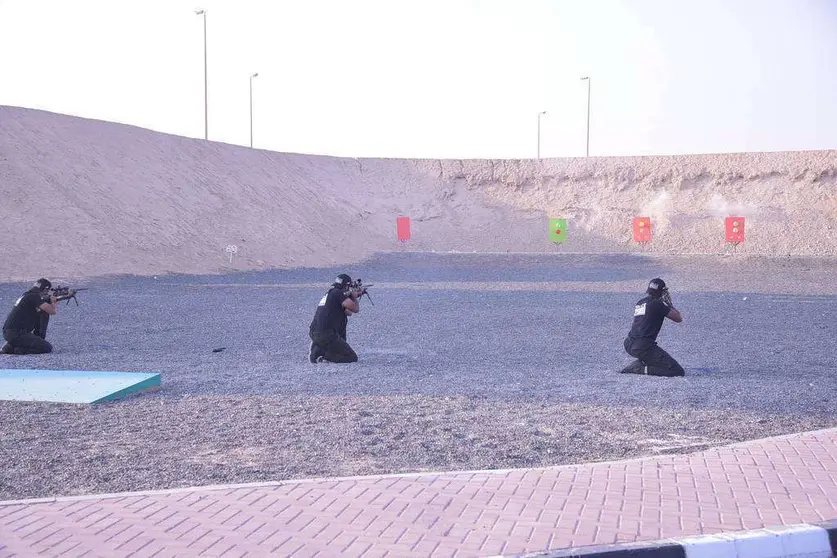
639 309
323 300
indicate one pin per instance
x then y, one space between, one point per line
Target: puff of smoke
658 209
719 207
590 219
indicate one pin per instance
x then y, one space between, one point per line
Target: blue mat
72 386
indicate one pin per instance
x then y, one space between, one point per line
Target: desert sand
83 198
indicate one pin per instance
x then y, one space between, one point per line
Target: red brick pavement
772 482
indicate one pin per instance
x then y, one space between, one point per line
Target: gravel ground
467 362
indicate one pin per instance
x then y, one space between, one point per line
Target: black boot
7 349
314 353
636 367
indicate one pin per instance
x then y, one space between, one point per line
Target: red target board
402 226
735 229
642 229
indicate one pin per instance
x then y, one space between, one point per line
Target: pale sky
438 78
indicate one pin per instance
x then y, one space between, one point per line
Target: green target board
558 230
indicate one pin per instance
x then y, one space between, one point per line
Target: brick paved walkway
777 481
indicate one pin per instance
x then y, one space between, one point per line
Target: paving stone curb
803 540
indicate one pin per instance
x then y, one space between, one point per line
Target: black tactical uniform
641 343
25 327
328 328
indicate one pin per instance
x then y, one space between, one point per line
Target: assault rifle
357 285
65 293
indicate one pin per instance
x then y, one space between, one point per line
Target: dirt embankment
84 197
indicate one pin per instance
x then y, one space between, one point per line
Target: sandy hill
85 197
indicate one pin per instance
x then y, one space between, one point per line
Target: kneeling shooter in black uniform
25 327
649 314
328 328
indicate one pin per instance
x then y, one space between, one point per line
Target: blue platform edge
72 386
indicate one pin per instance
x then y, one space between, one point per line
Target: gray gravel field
466 362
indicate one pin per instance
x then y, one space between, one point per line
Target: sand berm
82 198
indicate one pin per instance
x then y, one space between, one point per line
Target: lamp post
205 87
539 132
251 107
588 113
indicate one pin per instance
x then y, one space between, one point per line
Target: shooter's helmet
42 284
656 287
342 281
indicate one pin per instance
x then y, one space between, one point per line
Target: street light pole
588 113
539 132
251 107
205 85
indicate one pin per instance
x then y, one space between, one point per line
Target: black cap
656 287
342 280
42 284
